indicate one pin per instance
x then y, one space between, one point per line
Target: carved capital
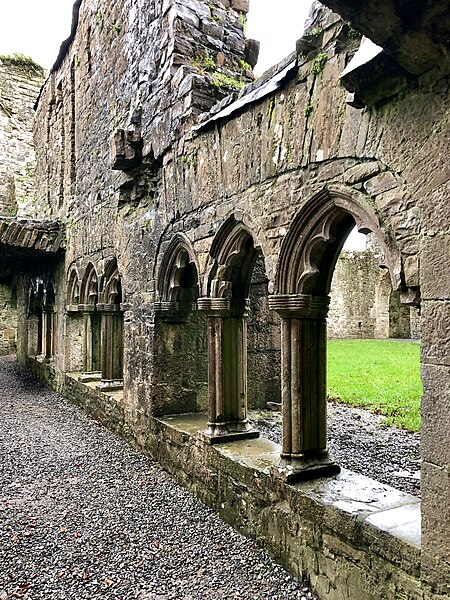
109 308
72 308
223 307
300 306
176 312
215 307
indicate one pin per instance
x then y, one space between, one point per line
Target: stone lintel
300 306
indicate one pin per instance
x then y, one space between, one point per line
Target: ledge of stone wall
355 538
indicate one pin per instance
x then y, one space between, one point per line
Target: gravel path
82 515
359 441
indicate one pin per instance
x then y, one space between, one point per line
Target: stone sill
364 510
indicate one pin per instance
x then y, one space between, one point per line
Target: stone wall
20 82
8 316
363 304
279 178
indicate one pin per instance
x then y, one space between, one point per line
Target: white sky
37 27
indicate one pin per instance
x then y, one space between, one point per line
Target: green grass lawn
381 375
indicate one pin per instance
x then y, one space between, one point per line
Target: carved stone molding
301 306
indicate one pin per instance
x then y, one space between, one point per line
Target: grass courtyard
380 375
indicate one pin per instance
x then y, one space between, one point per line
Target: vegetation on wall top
20 60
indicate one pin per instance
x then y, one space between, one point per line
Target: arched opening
180 360
372 364
307 261
89 297
35 318
233 257
111 347
41 321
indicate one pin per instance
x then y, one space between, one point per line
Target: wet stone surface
358 440
82 515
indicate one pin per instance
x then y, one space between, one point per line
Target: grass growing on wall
380 375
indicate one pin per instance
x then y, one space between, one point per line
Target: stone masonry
20 82
202 230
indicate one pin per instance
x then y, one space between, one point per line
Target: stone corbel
126 149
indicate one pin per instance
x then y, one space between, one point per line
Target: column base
220 433
89 376
295 468
110 385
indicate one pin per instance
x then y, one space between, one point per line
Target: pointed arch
112 283
234 254
315 239
89 286
73 287
178 272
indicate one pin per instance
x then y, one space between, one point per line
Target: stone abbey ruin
167 261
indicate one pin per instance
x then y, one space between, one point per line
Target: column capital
223 307
300 306
174 311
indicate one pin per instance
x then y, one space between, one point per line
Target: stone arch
180 364
73 288
233 254
89 286
41 318
315 239
178 271
303 279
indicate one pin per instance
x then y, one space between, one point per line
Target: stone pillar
303 386
227 369
111 347
33 335
48 336
92 343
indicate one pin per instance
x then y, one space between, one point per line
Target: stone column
227 370
33 335
111 347
303 386
48 333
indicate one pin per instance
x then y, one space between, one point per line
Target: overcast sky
37 27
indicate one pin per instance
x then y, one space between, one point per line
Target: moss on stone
20 60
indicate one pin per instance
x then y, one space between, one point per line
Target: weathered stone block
435 259
380 183
435 412
435 316
436 515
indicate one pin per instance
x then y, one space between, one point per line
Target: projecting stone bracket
126 150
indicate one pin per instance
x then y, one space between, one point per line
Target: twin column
227 371
303 385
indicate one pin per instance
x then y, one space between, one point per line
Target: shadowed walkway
82 515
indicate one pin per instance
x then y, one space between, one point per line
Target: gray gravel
82 515
358 440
